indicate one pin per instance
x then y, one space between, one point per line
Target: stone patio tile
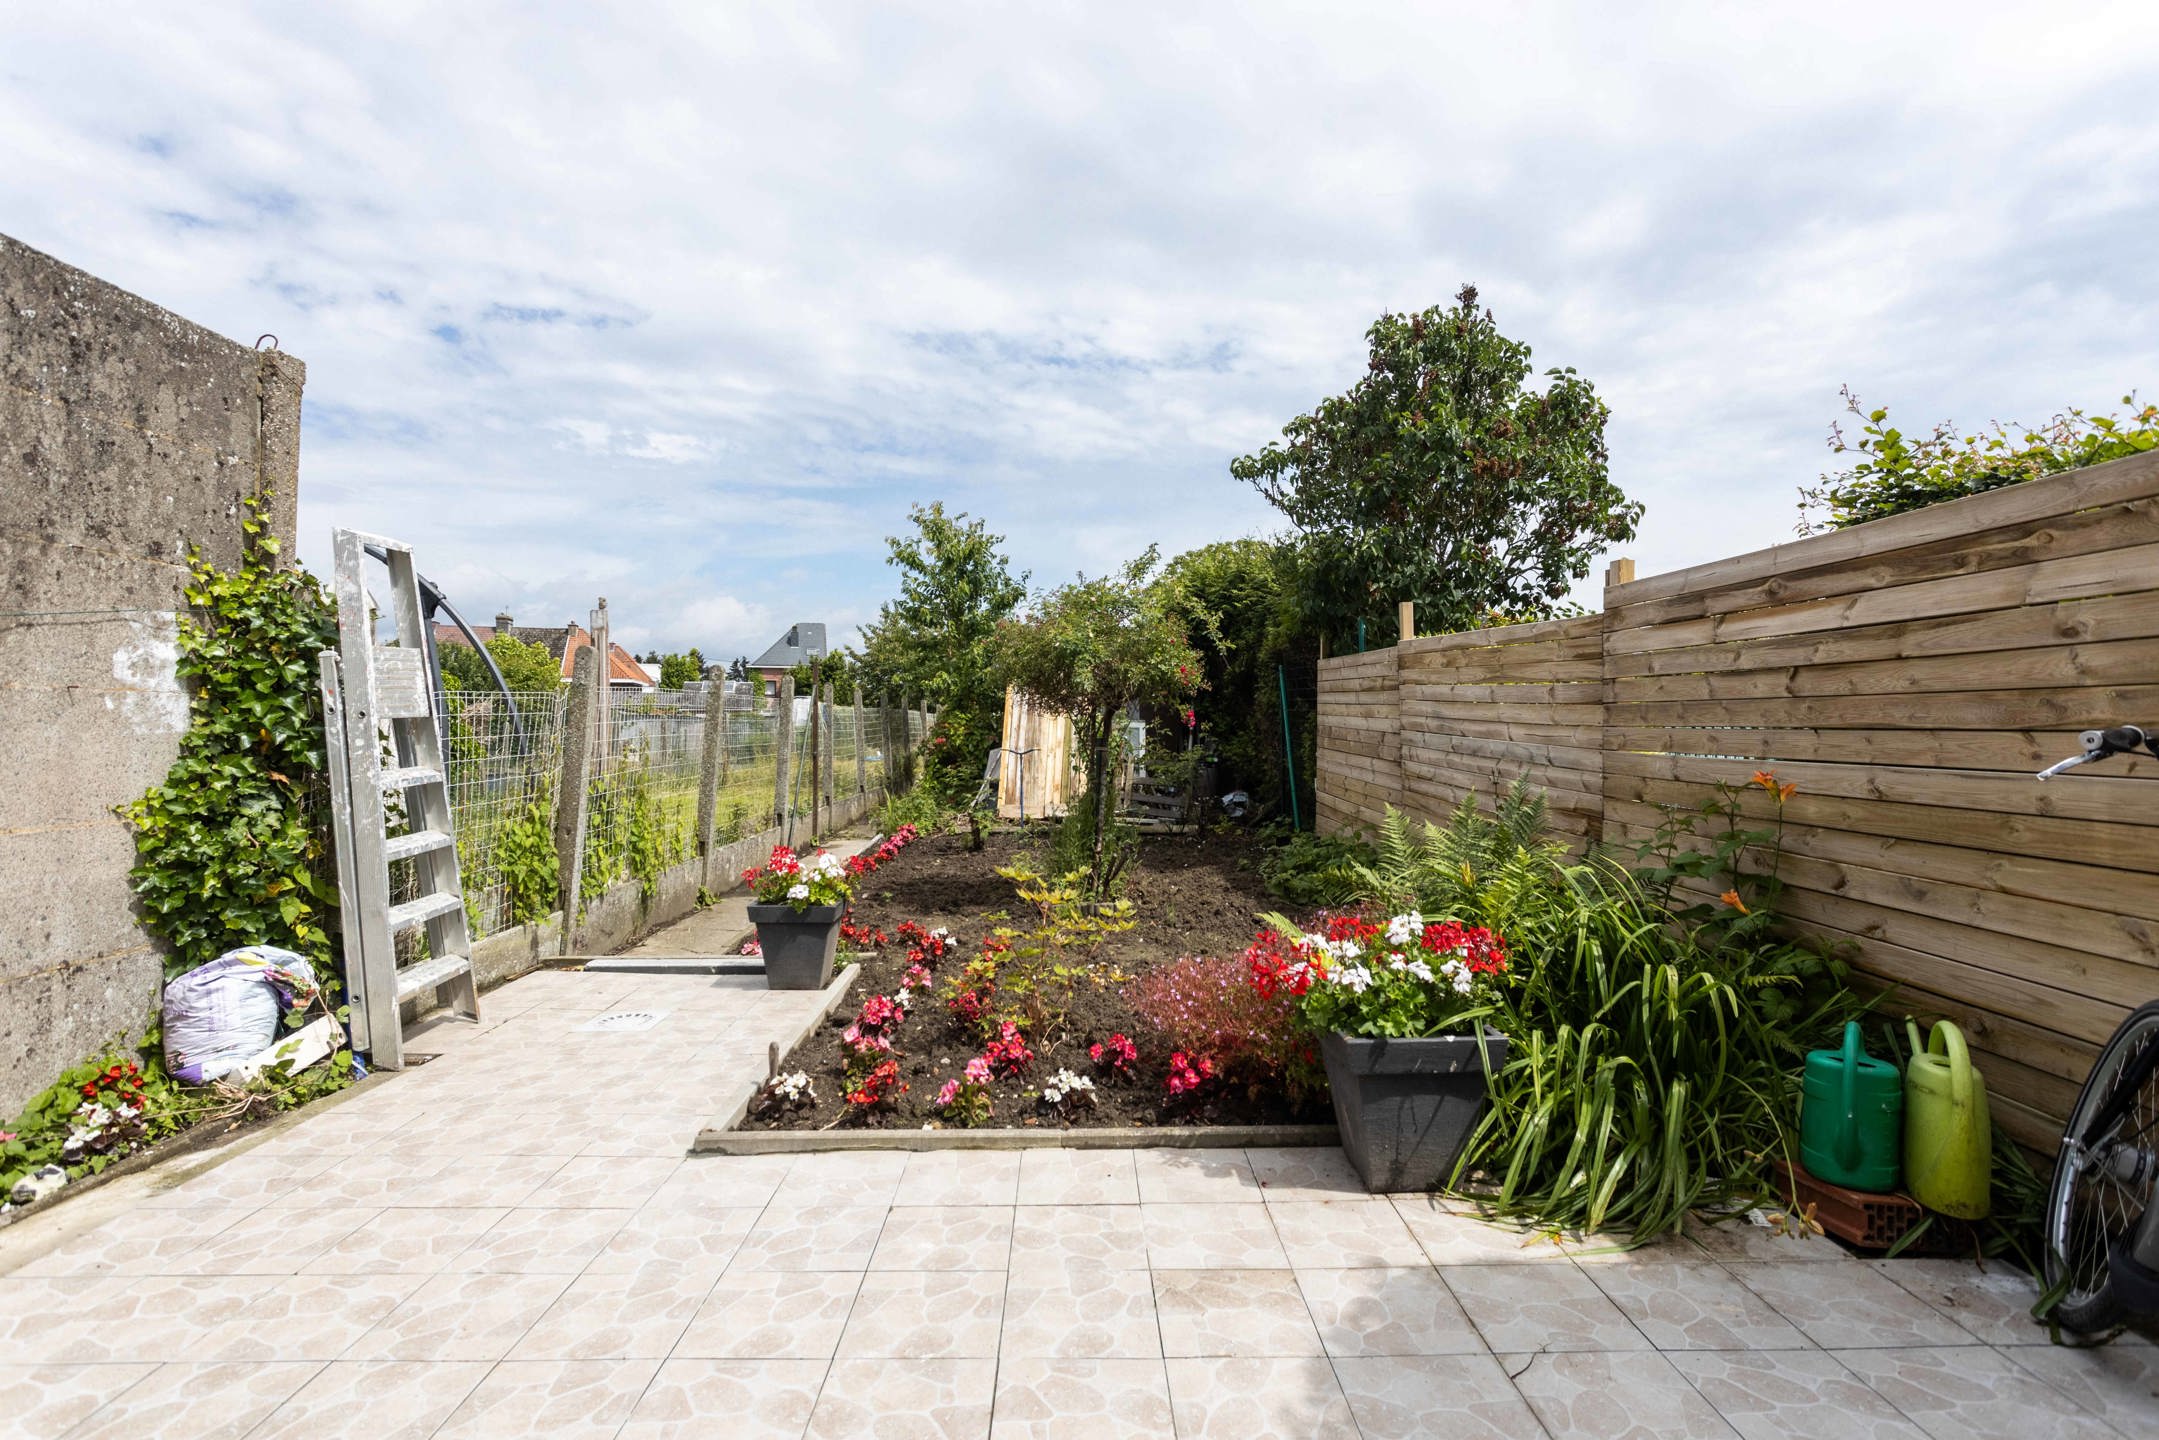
702 1240
253 1177
1312 1172
1540 1307
1244 1399
1791 1395
375 1180
725 1180
901 1314
941 1237
1080 1312
409 1242
1695 1307
695 1399
259 1247
667 1135
1196 1176
1971 1392
960 1177
1737 1239
1994 1304
841 1177
772 1316
482 1180
309 1317
118 1318
1344 1234
1594 1397
1082 1400
561 1399
607 1181
814 1237
1205 1236
2117 1382
1109 1236
461 1317
401 1400
146 1242
528 1241
1078 1177
905 1400
196 1401
636 1315
1449 1236
1387 1312
43 1402
1460 1397
1668 1249
1233 1312
1842 1307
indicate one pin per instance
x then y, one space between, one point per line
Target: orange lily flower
1765 779
1731 898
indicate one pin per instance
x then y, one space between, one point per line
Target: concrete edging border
724 1140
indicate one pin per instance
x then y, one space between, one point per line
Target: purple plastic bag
221 1015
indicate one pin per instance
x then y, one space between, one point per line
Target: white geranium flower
798 891
1457 972
1419 969
1356 979
1405 929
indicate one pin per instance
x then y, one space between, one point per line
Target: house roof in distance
801 641
561 641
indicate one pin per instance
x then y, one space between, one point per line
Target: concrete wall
126 433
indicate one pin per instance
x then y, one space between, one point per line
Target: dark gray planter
798 945
1405 1106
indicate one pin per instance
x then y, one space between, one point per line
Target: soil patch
1194 894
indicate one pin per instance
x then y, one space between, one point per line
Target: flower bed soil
1194 894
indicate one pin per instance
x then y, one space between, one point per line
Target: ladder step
418 842
415 979
408 776
419 912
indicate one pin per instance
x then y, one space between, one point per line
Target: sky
686 304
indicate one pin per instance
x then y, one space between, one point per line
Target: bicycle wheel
2102 1183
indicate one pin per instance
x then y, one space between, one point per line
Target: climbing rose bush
787 879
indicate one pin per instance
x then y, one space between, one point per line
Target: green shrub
1651 1067
1312 871
916 807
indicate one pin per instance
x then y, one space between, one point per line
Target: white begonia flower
1405 929
798 891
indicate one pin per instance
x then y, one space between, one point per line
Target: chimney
502 622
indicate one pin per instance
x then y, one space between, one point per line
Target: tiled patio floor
508 1241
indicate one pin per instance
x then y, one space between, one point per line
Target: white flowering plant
1068 1094
790 879
1404 977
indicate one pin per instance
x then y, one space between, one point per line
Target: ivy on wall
233 847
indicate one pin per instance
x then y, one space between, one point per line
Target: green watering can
1948 1135
1851 1116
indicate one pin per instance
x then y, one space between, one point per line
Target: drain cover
624 1020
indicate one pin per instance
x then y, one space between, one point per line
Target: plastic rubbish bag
220 1016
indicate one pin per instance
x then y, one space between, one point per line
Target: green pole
1289 750
1360 637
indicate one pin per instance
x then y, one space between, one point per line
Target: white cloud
685 304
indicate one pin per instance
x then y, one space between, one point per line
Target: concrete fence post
783 754
831 769
817 746
862 764
710 771
579 720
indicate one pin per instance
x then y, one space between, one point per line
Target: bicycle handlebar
2100 744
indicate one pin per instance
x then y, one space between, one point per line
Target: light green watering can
1948 1135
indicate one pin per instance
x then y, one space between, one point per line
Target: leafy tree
1241 597
835 670
934 641
1093 647
677 671
1440 478
1895 473
739 668
524 666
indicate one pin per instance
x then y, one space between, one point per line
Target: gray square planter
799 946
1404 1107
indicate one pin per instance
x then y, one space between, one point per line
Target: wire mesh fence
644 771
504 758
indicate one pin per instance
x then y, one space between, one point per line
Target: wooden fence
1909 675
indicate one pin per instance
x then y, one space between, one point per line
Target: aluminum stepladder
368 689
